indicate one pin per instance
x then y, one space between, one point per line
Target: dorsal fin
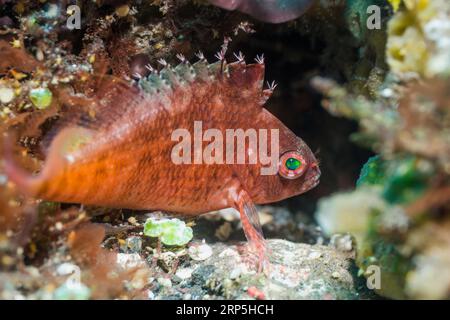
248 76
115 97
201 69
163 82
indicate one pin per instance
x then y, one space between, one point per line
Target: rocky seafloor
213 266
372 101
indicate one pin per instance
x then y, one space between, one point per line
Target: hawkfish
122 152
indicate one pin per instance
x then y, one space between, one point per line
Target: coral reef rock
298 271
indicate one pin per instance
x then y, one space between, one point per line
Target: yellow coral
406 48
417 38
395 4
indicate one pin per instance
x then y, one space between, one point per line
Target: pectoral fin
252 229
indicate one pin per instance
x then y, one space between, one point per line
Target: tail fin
27 184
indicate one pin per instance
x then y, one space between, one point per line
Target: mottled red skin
126 162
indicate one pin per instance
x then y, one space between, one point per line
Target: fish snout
312 177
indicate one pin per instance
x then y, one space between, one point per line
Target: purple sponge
274 11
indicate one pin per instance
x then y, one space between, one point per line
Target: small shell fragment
200 252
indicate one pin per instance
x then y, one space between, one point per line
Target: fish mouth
313 178
315 182
311 184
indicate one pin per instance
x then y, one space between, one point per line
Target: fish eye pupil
293 164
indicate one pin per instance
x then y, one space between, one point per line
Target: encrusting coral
418 38
399 211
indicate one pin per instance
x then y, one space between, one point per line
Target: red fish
122 156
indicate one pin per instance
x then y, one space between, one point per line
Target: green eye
293 163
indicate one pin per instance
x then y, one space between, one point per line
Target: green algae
41 97
171 232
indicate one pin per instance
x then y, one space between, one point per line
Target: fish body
123 155
273 11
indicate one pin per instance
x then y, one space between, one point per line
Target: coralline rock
410 254
298 271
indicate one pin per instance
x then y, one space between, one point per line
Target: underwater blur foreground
366 85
